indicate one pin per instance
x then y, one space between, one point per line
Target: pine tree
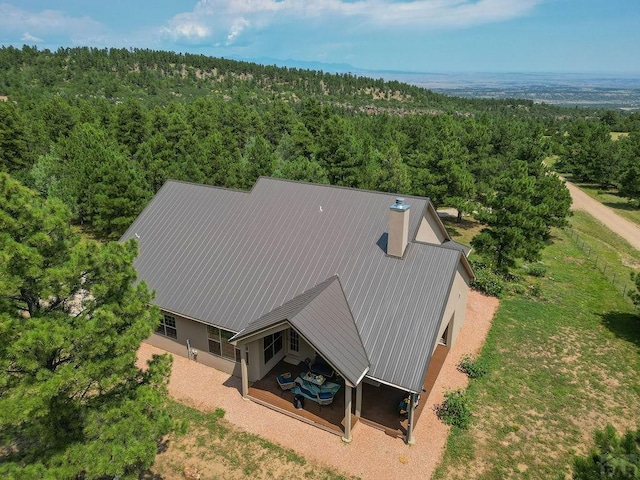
516 226
13 139
73 403
119 195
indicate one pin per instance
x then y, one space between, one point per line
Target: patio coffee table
316 379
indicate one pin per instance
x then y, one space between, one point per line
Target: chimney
398 228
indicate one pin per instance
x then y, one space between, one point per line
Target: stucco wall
429 230
196 332
456 305
256 356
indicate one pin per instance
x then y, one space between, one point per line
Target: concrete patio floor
372 454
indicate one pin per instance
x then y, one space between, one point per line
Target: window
272 345
294 341
167 327
219 343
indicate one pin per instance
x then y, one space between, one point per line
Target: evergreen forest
102 129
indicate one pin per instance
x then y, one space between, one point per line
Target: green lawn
605 250
561 365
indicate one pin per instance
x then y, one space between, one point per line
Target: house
367 283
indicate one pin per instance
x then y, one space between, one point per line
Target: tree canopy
72 400
520 213
103 129
613 457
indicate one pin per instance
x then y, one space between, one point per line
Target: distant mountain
562 89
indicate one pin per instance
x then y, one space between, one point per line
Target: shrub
614 456
473 367
486 280
455 410
537 270
535 290
517 288
635 296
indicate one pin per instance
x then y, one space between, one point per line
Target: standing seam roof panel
227 258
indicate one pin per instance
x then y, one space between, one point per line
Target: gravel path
371 454
623 227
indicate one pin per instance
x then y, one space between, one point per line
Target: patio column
412 407
245 374
347 414
359 399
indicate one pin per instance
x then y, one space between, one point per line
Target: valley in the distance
582 90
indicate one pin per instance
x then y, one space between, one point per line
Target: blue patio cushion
325 395
285 381
310 390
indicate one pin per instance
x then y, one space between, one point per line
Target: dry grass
561 366
209 447
462 231
618 135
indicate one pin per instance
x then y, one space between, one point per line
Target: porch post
412 407
359 400
347 414
245 374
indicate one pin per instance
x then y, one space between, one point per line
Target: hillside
156 77
102 129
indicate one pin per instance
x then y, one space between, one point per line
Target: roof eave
239 339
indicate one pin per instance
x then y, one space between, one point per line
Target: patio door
293 343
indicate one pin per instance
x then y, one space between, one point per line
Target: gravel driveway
623 227
371 454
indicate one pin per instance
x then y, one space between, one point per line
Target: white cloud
27 37
187 26
33 26
236 29
229 19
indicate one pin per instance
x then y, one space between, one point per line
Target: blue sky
590 36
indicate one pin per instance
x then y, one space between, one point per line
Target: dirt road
623 227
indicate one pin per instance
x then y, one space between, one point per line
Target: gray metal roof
227 258
457 246
322 316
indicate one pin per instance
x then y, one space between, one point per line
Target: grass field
561 366
209 446
618 135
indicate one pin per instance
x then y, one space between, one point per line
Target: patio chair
320 367
285 381
324 398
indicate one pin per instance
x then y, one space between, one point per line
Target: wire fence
618 274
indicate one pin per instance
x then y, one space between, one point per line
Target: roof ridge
340 187
203 185
312 293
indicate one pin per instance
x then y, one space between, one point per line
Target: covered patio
329 417
379 403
